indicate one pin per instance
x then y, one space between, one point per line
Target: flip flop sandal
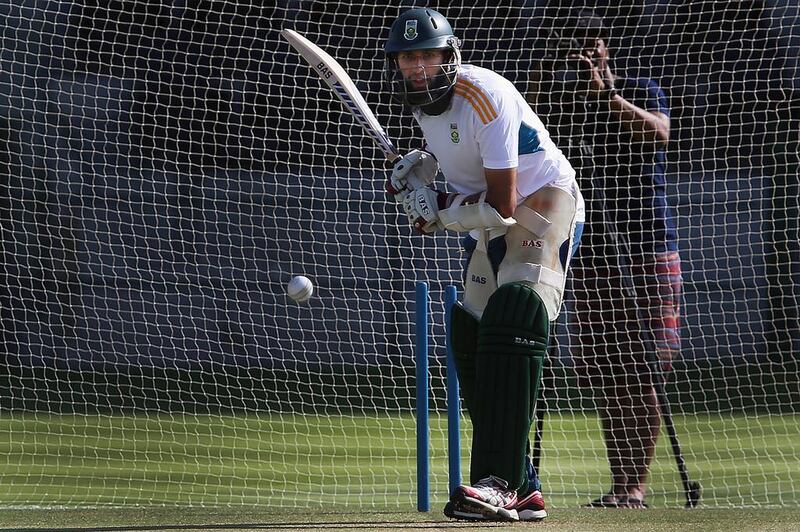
631 502
603 502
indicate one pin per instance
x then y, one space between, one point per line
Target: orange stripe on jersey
479 100
479 93
475 104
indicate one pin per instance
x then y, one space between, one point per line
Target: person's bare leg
650 424
616 443
630 420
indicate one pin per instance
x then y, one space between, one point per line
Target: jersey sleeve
645 93
497 130
656 99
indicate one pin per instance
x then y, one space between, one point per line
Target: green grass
183 470
255 518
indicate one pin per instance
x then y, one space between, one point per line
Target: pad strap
535 273
532 220
480 215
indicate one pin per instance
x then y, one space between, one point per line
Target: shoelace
492 482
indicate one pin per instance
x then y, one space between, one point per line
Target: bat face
332 73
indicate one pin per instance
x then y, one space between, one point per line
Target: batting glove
415 170
422 209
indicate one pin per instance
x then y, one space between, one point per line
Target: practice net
167 169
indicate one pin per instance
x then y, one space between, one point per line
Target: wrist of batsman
445 200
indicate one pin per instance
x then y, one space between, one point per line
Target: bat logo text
323 71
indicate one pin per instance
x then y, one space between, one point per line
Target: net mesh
169 167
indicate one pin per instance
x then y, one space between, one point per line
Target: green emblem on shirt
454 136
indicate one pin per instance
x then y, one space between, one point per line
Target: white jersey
490 125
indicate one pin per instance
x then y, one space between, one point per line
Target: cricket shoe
489 499
531 507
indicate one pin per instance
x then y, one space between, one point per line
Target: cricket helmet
421 29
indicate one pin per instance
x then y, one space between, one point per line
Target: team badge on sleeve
411 30
454 136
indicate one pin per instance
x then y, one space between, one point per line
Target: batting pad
464 341
512 343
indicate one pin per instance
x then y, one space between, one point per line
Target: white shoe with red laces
489 499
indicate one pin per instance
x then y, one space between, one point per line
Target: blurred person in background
627 275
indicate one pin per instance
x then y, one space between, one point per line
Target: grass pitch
267 471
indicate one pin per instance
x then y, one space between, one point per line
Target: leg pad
512 344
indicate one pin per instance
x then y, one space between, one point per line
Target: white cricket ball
300 289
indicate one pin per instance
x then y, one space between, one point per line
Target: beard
437 88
